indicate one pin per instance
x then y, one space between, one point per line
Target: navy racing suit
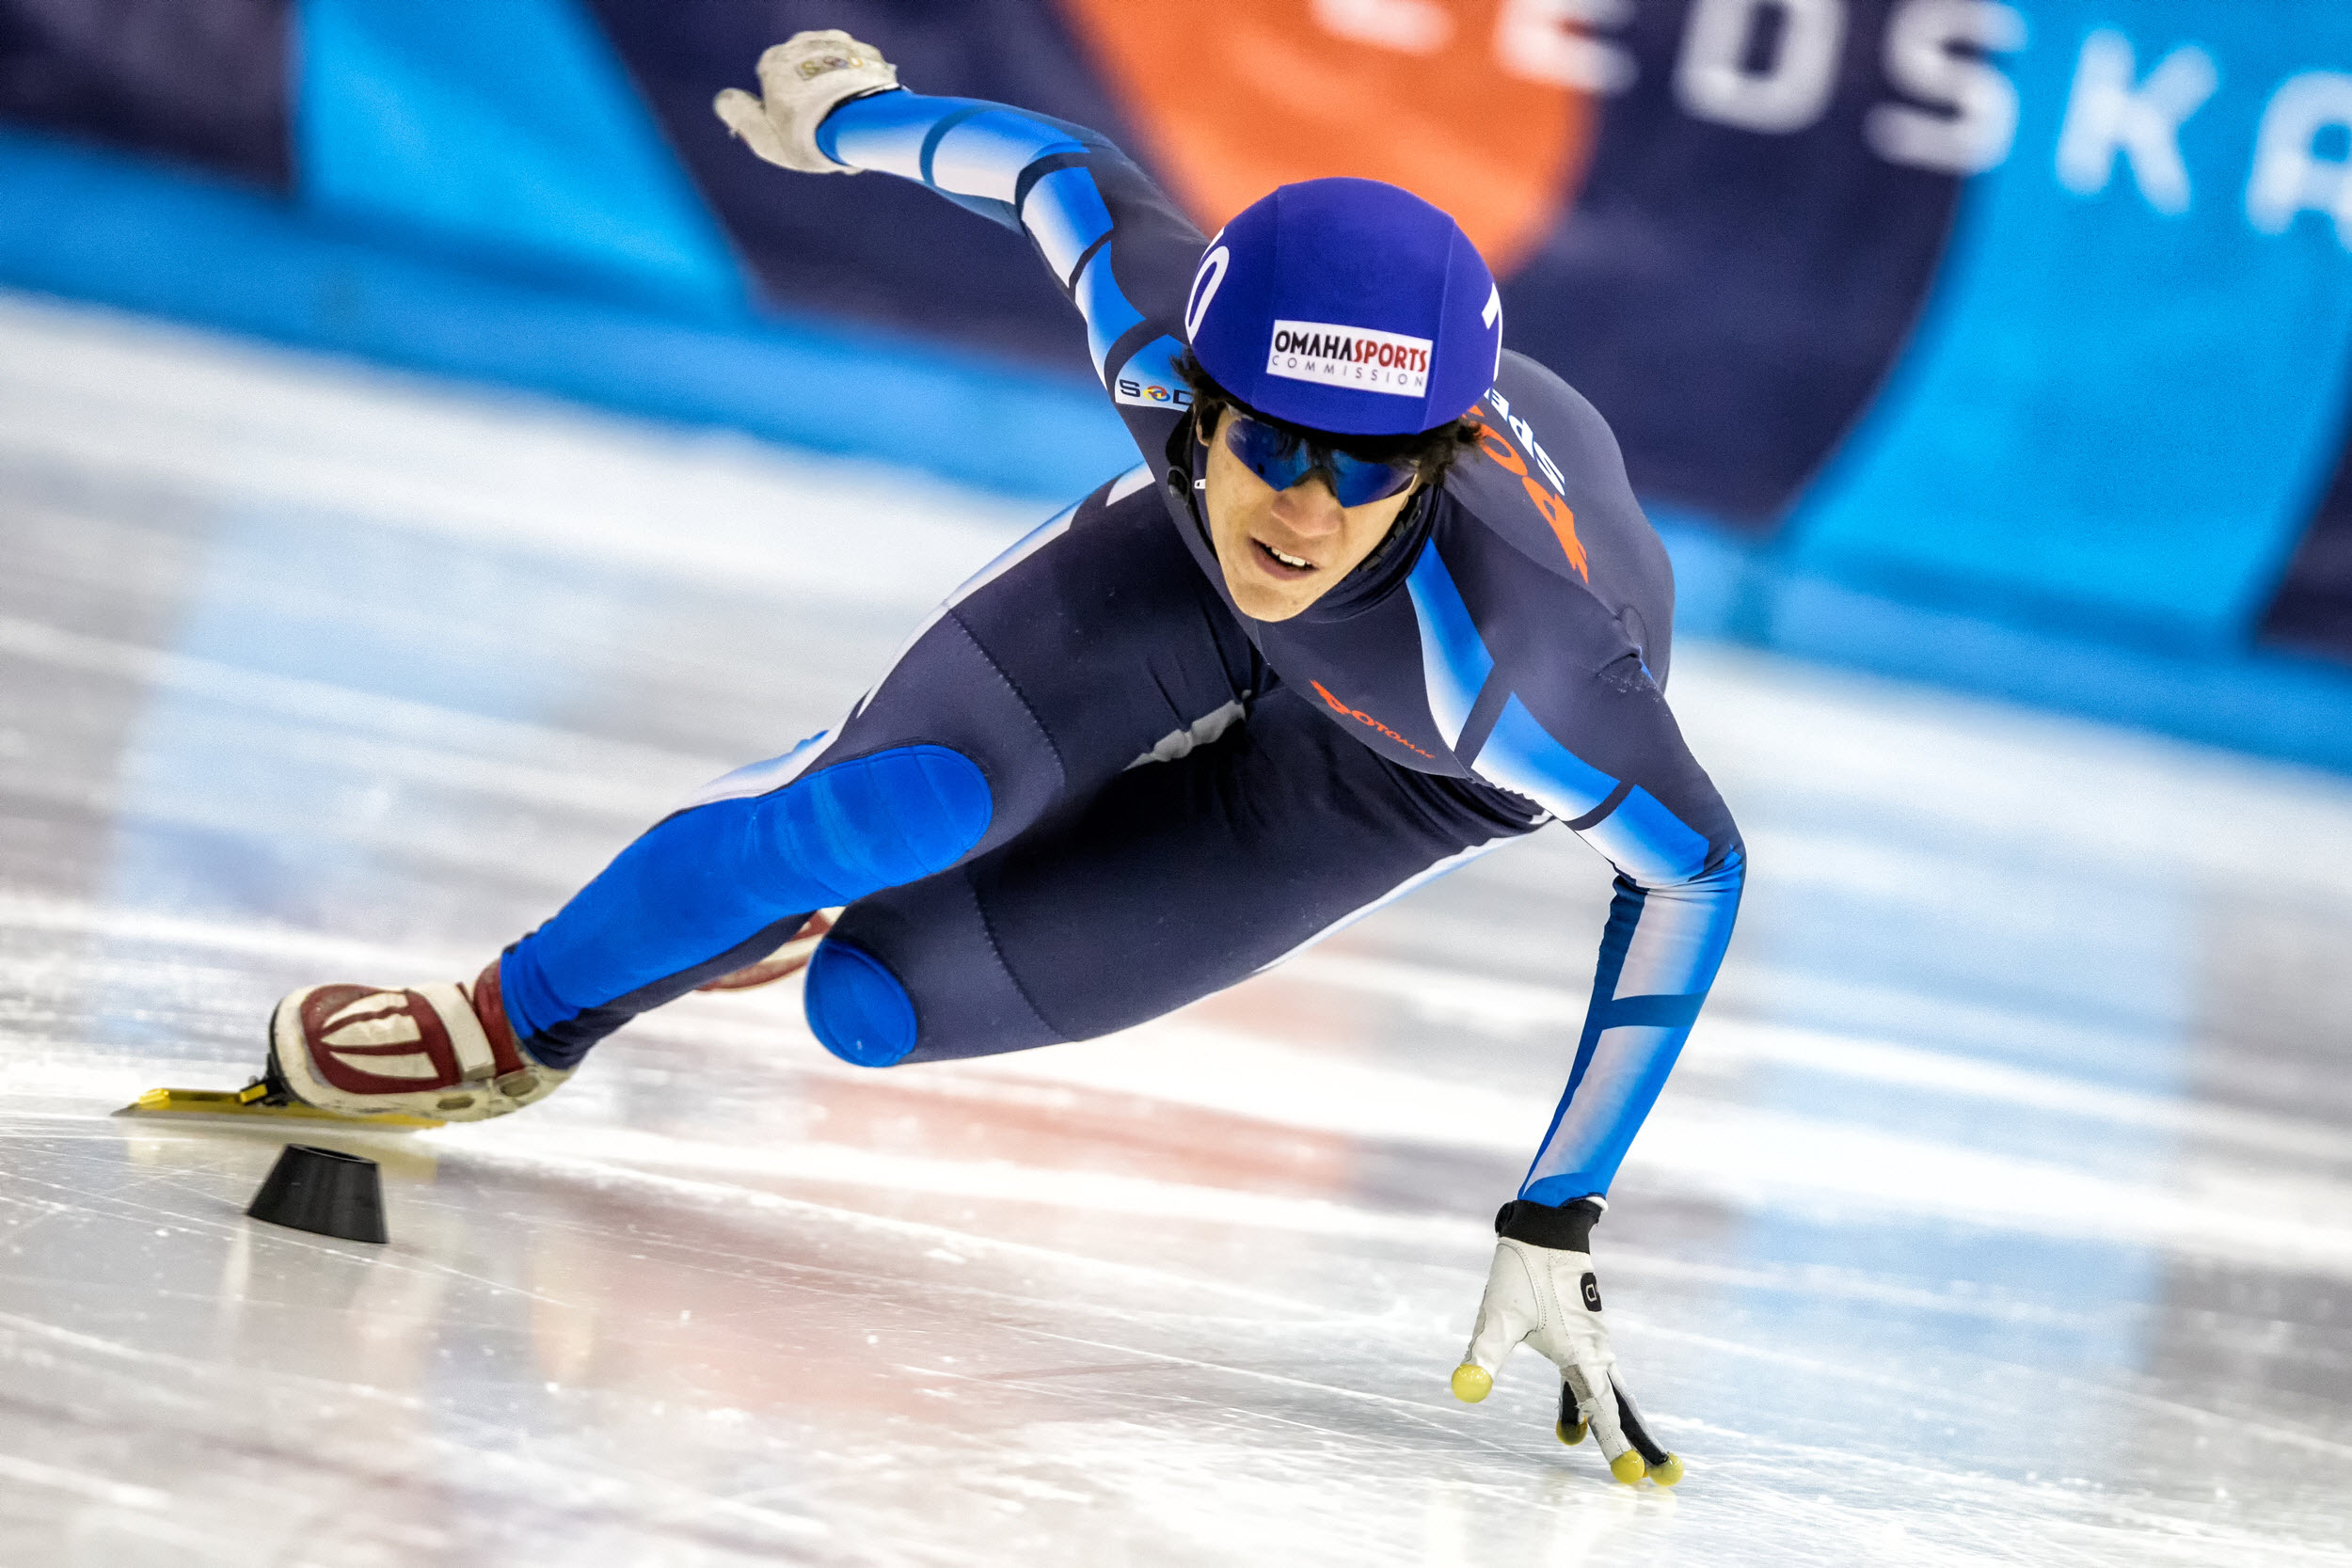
1089 789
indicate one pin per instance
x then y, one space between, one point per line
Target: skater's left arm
1681 867
1542 684
1539 677
1534 611
1637 795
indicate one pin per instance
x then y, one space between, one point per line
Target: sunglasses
1283 458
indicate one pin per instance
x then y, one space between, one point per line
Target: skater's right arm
1115 244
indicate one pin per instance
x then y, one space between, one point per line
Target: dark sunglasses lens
1282 459
1274 455
1357 483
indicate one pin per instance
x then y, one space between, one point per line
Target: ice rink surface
2000 1213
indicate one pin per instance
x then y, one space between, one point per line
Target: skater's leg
1173 881
1093 641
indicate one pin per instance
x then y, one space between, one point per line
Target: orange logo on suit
1362 718
1555 511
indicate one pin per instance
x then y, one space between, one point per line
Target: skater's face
1283 549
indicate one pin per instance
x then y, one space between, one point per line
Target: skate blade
786 960
233 1105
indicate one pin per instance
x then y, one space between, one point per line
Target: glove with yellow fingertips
1542 1290
802 80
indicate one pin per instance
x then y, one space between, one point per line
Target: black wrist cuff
1569 1228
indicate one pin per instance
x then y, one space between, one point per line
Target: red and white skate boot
440 1050
789 959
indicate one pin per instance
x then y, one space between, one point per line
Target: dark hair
1432 451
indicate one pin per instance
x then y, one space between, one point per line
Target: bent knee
857 1007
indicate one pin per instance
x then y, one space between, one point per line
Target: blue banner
2038 310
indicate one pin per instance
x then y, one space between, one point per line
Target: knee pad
857 1006
881 820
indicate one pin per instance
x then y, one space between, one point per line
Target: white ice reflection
2000 1211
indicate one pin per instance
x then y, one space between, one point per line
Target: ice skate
789 959
441 1052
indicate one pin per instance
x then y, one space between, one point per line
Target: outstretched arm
1540 689
1540 695
1680 868
1113 241
1679 865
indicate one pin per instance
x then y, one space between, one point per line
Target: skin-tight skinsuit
1090 790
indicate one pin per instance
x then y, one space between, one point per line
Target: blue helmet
1348 306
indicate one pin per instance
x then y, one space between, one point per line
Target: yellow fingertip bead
1668 1473
1472 1383
1627 1468
1571 1436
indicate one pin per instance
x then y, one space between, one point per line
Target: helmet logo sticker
1205 284
1361 357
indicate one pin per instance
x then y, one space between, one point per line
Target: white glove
802 80
1548 1296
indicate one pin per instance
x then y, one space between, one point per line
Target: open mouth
1285 565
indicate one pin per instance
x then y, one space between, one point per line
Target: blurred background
2001 345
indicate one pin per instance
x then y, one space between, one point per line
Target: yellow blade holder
247 1104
